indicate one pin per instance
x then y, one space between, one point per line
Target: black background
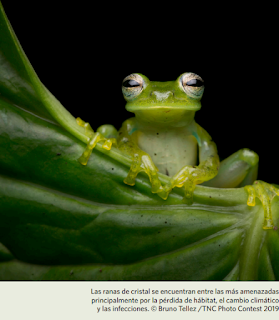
82 60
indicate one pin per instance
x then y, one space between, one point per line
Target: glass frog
163 136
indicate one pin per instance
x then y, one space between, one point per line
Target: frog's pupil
195 83
130 83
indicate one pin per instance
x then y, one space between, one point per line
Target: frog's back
170 150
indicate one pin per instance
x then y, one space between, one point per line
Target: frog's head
165 103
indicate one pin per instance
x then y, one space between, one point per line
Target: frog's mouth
163 108
164 114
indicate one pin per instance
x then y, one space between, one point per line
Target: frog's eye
192 84
132 86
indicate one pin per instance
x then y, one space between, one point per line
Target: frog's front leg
106 133
141 161
190 176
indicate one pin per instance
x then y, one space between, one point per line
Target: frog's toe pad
129 181
268 224
163 194
108 143
265 192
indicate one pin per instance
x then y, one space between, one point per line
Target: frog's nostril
162 95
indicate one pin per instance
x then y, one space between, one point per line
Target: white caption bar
110 300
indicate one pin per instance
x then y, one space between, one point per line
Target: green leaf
62 220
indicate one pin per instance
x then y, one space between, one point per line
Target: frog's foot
143 162
265 192
93 139
188 177
91 145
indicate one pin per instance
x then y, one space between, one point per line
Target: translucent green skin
163 136
163 132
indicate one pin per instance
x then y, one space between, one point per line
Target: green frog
163 136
